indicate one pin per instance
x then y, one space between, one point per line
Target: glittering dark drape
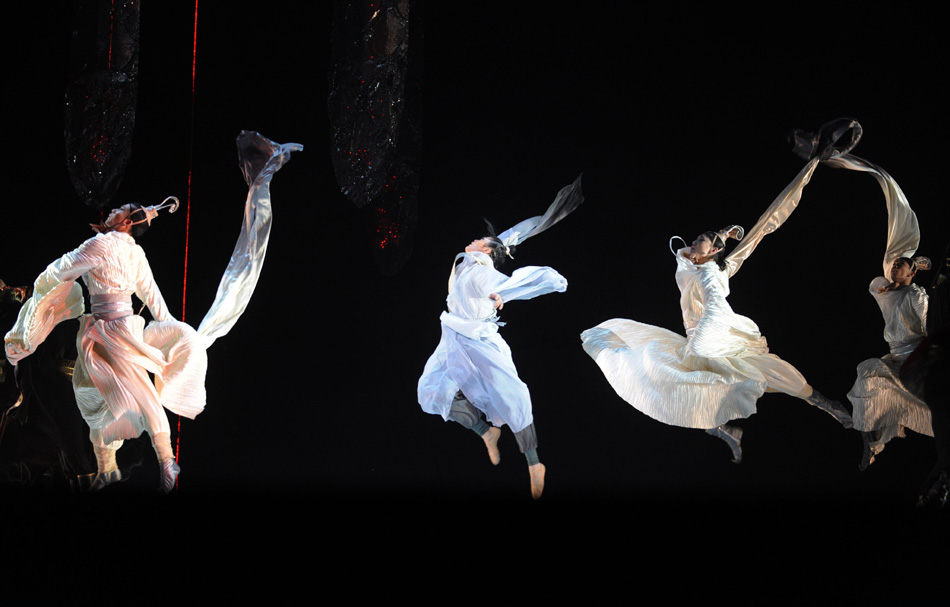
375 119
101 96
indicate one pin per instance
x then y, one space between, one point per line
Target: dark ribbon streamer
829 141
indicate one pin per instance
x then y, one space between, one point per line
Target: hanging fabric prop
375 82
101 97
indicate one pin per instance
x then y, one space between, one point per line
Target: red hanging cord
191 147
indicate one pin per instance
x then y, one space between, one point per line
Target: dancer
718 371
117 351
43 439
471 378
926 374
882 407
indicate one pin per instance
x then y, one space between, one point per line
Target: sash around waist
473 329
110 306
902 348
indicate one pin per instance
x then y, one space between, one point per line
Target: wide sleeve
903 232
260 158
56 297
773 218
531 281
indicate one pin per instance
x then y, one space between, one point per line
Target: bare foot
537 479
491 443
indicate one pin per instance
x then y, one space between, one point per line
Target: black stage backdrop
313 458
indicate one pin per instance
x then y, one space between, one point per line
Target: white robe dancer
117 350
471 356
718 371
882 405
470 378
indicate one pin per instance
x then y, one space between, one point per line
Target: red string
191 146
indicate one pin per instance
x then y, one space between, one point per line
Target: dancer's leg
468 416
527 440
732 435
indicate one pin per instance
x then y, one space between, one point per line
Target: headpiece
149 212
733 231
920 263
152 211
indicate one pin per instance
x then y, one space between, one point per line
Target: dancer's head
18 294
904 269
708 246
133 218
491 246
129 218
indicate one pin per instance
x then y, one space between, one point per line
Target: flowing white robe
880 401
471 356
717 372
111 381
113 390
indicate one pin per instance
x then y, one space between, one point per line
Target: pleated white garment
717 372
880 401
111 378
471 356
713 375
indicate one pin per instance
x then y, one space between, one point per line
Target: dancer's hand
499 303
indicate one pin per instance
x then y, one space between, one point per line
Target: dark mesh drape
375 119
101 96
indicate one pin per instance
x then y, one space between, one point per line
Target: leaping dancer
117 349
471 378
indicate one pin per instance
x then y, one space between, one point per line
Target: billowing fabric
717 372
567 200
471 356
881 403
259 159
111 382
117 351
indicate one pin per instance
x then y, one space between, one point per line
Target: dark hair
717 242
907 261
499 253
137 213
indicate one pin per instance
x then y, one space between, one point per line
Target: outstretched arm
56 297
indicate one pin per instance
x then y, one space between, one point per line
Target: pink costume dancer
117 349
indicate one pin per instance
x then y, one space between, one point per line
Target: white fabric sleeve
56 297
531 281
773 218
903 232
260 159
